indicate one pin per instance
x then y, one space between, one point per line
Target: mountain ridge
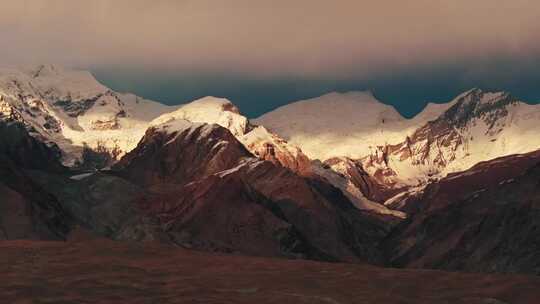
369 150
203 176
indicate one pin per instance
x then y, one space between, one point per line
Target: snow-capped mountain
478 126
71 109
350 124
398 153
270 147
209 110
358 144
378 188
207 191
256 139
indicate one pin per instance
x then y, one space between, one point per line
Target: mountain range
342 177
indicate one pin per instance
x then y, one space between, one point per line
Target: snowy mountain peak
477 104
338 124
50 82
478 96
222 104
478 126
72 109
484 96
172 126
209 110
44 70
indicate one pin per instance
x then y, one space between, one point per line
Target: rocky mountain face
26 151
479 126
94 126
71 109
385 156
372 186
270 147
208 192
483 219
27 210
359 183
192 185
179 151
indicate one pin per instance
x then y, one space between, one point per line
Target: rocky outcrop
25 151
102 204
257 139
27 210
372 187
270 147
72 109
484 219
479 126
179 152
258 208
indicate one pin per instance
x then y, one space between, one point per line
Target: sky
263 54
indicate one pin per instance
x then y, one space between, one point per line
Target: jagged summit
364 145
433 110
201 175
476 103
475 126
72 109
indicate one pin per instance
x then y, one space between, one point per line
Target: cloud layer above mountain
302 38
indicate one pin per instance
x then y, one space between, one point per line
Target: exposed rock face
343 182
372 187
400 156
203 177
224 213
479 126
260 209
26 151
75 108
484 219
102 204
26 209
71 109
179 152
263 144
270 147
208 192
